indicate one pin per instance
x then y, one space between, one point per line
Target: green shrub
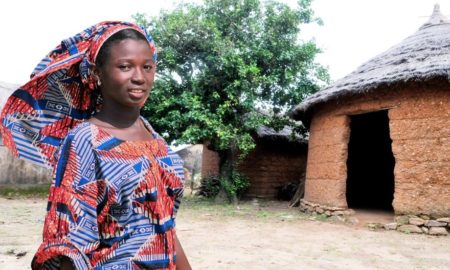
210 186
234 186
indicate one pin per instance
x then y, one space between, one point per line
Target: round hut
380 136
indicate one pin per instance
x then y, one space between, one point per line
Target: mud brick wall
326 171
420 132
420 129
269 167
210 162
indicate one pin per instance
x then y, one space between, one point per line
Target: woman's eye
148 67
124 67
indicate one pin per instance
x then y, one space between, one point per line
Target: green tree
227 67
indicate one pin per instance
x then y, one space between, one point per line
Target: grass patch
263 214
259 209
319 217
192 205
35 191
208 206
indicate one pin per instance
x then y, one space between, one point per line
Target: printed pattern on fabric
112 204
61 94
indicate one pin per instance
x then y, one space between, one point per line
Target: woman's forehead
130 48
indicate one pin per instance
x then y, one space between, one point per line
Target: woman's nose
138 76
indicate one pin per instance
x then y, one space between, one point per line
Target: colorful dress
112 204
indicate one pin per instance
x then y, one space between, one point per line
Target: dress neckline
146 125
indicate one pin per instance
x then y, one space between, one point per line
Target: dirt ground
253 235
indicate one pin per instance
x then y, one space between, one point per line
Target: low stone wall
422 224
314 208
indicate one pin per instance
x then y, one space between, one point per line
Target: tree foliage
226 67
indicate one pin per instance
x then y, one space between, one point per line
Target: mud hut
277 161
380 136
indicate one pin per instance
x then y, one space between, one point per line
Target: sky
354 31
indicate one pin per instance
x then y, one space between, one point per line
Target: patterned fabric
112 204
60 94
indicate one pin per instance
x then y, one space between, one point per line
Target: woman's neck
119 118
125 126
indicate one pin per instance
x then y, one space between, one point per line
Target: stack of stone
317 209
420 224
405 223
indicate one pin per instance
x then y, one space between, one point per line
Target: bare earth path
267 235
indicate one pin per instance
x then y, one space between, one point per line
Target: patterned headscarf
61 93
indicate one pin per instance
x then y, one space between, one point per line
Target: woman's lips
137 93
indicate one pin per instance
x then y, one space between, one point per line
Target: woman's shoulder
82 127
81 132
151 129
77 139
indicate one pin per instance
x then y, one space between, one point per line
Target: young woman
117 185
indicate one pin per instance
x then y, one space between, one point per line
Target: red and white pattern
112 204
61 93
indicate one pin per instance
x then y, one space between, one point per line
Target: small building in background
278 160
380 137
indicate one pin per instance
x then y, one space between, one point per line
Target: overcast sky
353 32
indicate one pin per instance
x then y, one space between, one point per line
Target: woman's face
128 73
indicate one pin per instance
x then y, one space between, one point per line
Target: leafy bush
234 186
210 186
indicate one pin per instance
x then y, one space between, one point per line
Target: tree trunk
227 161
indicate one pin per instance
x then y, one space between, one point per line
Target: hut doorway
370 163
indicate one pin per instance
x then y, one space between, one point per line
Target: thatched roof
268 133
264 131
282 141
421 57
6 90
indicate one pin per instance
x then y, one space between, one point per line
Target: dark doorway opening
370 163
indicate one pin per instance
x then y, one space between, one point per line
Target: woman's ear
96 73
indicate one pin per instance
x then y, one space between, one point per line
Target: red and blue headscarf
61 93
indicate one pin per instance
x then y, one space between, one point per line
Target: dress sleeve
70 227
172 173
178 180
